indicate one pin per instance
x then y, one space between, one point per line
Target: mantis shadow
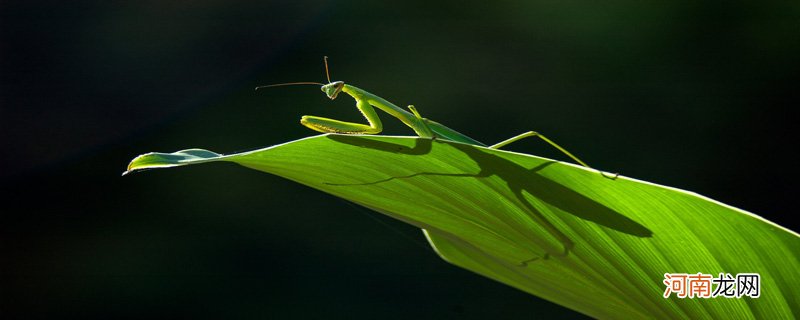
518 179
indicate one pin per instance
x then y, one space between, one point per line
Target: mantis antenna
327 74
289 84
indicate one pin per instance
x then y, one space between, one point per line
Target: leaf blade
490 211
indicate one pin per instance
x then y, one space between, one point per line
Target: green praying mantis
367 102
425 128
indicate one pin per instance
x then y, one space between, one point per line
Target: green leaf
562 232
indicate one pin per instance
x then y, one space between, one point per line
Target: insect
367 102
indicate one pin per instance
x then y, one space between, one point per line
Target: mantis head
332 89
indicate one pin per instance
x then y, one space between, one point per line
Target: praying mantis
425 128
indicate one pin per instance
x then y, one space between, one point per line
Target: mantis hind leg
327 125
545 139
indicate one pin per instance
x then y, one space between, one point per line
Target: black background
695 95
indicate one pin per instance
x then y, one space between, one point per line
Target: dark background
695 95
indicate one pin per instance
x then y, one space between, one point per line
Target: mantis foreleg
327 125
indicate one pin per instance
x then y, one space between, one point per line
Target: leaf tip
153 160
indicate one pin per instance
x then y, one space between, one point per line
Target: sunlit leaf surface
565 233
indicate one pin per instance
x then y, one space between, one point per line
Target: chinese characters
705 286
